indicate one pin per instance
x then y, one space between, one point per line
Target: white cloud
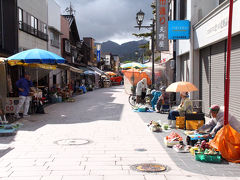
108 19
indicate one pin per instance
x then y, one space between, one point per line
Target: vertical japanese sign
162 25
98 52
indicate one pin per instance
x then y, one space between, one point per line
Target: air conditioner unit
172 64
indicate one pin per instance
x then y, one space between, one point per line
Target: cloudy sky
108 19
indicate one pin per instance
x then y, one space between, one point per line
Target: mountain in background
125 51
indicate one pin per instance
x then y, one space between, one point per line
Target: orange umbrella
135 75
181 86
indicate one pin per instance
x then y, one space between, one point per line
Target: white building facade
54 32
202 59
33 20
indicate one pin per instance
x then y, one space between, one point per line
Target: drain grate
72 142
149 167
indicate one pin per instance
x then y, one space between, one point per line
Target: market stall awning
34 65
98 71
71 68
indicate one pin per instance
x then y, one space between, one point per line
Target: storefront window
20 17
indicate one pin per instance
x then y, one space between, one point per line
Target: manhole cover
140 149
70 142
149 167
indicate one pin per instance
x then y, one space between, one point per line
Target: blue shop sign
179 29
98 55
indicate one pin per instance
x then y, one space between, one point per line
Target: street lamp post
139 19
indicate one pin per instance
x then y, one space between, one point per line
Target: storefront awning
70 68
98 71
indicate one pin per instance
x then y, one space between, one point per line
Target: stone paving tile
51 177
174 177
70 173
65 168
109 172
29 168
221 178
4 164
23 173
136 161
108 163
101 159
6 174
93 167
62 163
83 178
97 156
22 178
155 177
135 177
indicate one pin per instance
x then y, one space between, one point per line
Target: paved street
114 131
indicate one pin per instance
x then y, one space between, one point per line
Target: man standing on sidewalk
24 85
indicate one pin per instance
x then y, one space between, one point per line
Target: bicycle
132 99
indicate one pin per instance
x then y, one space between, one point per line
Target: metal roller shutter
205 78
217 73
235 78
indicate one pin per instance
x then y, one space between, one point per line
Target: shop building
56 77
202 59
90 42
8 28
116 63
33 20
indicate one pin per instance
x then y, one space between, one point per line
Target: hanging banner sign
179 29
162 25
98 52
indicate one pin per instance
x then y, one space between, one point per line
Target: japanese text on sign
162 25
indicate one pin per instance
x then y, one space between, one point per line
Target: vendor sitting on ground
155 97
217 122
163 99
184 107
141 90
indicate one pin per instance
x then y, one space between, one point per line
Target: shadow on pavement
186 161
5 151
92 106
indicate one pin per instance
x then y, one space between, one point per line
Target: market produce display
181 148
204 153
172 139
155 126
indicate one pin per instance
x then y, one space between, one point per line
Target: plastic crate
180 122
209 158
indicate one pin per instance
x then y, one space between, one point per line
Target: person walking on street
24 86
141 90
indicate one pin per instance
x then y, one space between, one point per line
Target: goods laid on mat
193 138
8 129
203 152
70 100
181 148
155 126
172 139
208 155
